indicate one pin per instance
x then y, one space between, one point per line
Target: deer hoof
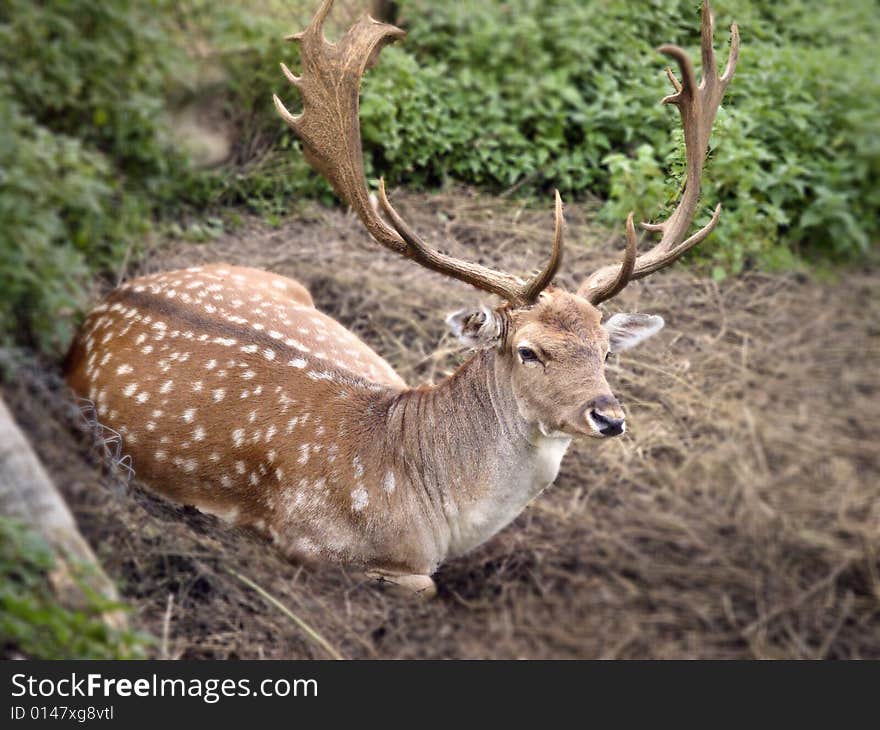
407 586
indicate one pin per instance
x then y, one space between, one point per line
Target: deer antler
697 105
329 128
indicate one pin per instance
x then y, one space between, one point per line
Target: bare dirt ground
739 517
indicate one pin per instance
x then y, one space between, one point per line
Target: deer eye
527 355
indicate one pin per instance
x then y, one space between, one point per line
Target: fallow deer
234 394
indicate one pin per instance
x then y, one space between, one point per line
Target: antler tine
707 48
697 105
495 282
625 271
542 280
330 132
509 287
732 57
328 125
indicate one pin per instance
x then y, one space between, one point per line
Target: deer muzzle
605 416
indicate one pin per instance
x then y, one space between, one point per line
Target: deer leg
403 584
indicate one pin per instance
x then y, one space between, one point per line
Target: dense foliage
83 164
541 94
523 94
34 624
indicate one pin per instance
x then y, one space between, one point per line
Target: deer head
551 343
555 350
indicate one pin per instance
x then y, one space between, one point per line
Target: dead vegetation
740 516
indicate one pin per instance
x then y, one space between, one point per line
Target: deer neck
469 455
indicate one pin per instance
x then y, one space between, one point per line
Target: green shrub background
523 95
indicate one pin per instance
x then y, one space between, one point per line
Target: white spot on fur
188 415
389 484
359 499
290 342
304 453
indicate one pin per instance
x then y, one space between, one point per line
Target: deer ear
478 328
628 330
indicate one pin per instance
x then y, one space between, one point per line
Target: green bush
84 164
796 153
63 217
33 623
536 94
561 94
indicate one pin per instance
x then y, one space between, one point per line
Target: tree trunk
28 495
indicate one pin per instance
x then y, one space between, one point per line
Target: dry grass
740 516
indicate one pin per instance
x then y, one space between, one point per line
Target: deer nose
605 416
606 425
